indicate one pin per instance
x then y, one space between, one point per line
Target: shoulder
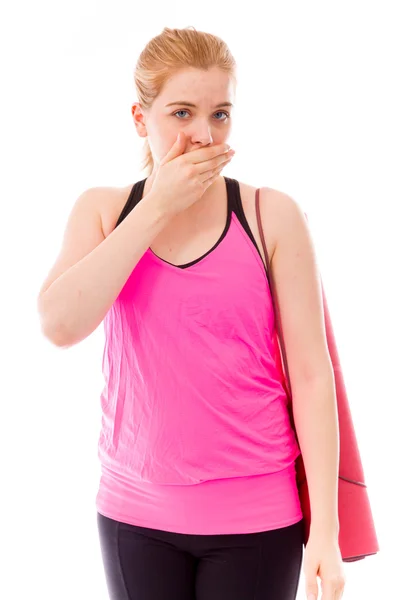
274 203
283 204
108 201
278 211
289 218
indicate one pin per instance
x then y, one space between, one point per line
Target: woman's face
205 124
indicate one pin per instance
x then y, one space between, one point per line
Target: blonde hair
167 53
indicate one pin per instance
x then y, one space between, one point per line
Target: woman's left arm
295 273
298 289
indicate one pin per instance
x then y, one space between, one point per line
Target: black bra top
234 204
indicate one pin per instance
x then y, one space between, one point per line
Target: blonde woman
198 497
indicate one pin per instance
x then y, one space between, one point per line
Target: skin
204 125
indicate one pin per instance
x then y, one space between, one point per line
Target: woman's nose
202 135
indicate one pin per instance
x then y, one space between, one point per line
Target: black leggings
150 564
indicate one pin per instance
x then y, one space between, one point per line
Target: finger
211 180
176 149
204 154
339 592
215 163
213 174
328 591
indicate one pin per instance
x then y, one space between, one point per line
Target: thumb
176 149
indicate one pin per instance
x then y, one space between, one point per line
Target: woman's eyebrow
180 102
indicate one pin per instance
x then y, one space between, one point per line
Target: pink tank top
195 435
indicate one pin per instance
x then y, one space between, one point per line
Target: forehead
198 86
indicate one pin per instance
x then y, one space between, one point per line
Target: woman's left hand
322 557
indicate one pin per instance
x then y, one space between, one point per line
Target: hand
182 178
323 558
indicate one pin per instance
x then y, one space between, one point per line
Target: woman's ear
139 119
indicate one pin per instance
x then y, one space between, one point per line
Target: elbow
314 386
53 331
56 335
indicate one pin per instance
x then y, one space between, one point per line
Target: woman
198 495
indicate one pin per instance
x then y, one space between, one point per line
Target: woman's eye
180 111
220 112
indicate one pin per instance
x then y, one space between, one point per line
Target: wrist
325 529
159 206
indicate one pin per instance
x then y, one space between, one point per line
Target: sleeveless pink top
195 434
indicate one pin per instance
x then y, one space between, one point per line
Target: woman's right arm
91 270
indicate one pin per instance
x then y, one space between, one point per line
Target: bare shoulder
289 221
276 210
110 202
83 231
280 204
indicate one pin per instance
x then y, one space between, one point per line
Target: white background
317 117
